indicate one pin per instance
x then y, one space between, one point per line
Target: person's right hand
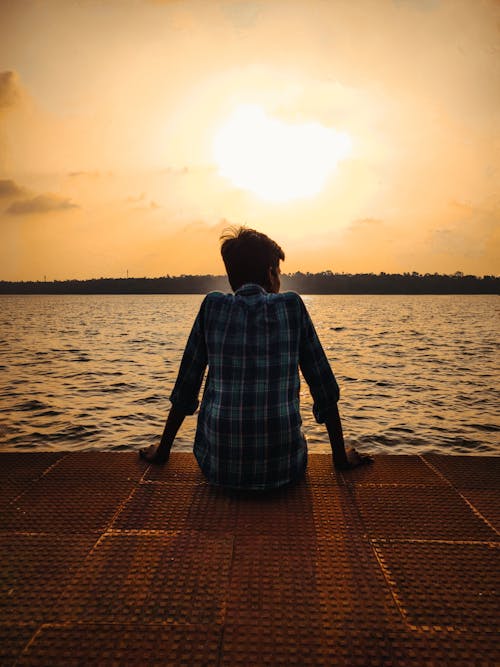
151 454
354 459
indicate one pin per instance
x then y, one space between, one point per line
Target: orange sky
109 111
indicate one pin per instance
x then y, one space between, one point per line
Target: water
417 373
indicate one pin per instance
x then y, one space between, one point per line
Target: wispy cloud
89 174
421 5
139 198
143 204
47 203
9 188
9 89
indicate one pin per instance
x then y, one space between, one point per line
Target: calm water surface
417 373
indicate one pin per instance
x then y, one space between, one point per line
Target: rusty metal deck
105 560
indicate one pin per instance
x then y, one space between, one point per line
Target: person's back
253 342
249 427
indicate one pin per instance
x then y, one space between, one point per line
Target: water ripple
417 374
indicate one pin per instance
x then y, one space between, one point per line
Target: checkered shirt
249 426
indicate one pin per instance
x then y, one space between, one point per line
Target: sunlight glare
277 161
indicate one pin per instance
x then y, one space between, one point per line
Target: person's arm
184 397
336 435
325 392
342 459
160 453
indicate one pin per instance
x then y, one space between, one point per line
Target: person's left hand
151 455
354 459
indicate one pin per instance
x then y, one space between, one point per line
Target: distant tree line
325 282
184 284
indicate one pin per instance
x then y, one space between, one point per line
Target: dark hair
248 255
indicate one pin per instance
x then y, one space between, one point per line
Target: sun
277 161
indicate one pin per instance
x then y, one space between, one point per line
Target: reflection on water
417 373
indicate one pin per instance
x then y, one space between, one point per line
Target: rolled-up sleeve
316 369
184 396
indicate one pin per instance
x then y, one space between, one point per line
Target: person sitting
254 342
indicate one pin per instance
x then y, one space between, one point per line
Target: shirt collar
250 288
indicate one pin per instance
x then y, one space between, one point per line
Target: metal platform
105 560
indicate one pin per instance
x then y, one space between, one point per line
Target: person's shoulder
291 298
295 305
291 302
217 298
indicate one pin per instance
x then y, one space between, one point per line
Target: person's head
251 257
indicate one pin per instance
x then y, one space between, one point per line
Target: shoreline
322 283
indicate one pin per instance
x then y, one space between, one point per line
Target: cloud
40 204
243 14
9 89
144 205
471 233
31 202
9 188
453 242
89 174
186 170
139 198
420 5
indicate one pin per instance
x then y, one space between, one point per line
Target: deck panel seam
435 470
476 511
25 648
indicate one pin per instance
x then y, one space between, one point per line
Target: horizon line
326 272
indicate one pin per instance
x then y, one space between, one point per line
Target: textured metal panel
352 591
180 468
333 513
486 502
91 465
10 489
112 645
66 506
156 507
17 471
286 511
303 585
320 471
273 580
434 513
394 470
444 584
213 510
181 577
299 581
26 466
34 572
468 472
13 638
282 644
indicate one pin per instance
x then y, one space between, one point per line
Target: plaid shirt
249 426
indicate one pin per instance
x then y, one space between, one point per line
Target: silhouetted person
254 341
